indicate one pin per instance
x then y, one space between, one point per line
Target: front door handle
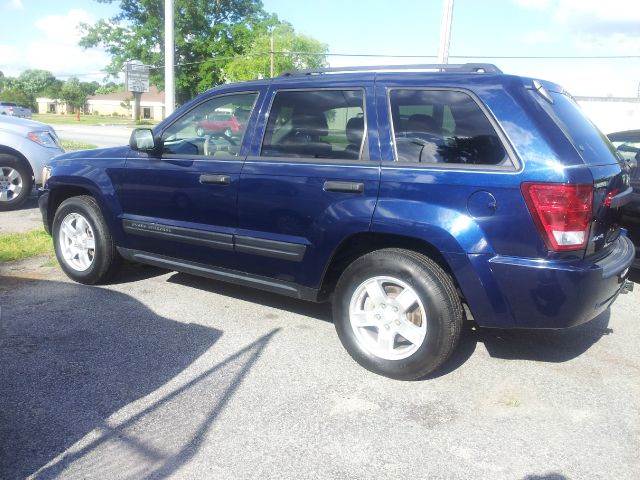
215 179
344 187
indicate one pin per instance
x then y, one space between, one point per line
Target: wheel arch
362 243
19 156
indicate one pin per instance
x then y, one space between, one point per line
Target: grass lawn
55 119
72 145
17 246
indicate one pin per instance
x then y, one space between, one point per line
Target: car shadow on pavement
320 311
511 344
552 346
71 356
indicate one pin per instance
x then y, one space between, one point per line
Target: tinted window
593 145
443 127
316 124
214 128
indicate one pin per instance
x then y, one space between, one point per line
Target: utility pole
271 53
169 83
445 32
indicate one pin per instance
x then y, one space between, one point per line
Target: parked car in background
410 198
25 148
14 110
219 123
627 144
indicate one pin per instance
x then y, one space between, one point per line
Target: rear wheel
16 182
397 313
83 244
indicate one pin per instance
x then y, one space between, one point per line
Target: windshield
594 147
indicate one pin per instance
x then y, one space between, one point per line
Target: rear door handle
215 179
344 187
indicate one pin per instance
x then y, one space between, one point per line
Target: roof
154 95
626 136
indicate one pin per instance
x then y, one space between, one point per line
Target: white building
111 104
612 114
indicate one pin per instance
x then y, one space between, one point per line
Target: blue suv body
495 185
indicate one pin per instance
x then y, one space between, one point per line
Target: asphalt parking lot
163 375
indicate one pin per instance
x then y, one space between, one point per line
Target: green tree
207 33
109 87
293 51
73 93
34 82
15 95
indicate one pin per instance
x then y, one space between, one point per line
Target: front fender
94 178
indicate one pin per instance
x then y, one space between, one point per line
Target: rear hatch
610 173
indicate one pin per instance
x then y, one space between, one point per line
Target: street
99 135
161 374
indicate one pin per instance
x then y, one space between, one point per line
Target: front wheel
397 313
83 244
16 183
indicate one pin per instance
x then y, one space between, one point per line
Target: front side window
443 127
316 124
215 128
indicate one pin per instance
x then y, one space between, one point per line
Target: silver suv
25 148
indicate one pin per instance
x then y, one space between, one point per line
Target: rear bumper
533 293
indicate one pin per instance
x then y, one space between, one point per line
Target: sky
43 34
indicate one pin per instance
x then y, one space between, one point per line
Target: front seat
304 137
355 132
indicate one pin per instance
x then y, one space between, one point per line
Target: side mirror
143 140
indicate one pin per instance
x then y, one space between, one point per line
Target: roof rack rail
440 67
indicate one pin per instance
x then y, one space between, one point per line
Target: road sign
137 77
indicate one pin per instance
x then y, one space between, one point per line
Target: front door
310 181
182 203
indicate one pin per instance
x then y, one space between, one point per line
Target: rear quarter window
594 147
443 127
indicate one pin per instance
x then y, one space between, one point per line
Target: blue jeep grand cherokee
409 197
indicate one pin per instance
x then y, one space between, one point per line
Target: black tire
9 161
434 287
106 260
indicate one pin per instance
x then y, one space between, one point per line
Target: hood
97 153
22 125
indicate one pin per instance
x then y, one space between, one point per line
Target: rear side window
592 144
443 127
316 124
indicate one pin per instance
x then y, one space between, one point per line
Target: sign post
137 81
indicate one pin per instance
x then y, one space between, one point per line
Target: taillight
562 213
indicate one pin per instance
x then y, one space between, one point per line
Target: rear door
310 181
182 203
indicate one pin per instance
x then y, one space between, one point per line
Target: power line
373 55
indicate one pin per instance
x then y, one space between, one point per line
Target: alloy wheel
77 242
10 184
387 318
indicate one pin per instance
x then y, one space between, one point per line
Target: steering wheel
210 148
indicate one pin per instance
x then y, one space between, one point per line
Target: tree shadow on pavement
518 344
71 356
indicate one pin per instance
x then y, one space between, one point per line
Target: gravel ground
165 375
24 219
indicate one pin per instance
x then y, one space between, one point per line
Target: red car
219 123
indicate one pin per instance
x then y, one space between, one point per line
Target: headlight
43 138
46 174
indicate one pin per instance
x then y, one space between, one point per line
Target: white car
25 148
14 110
